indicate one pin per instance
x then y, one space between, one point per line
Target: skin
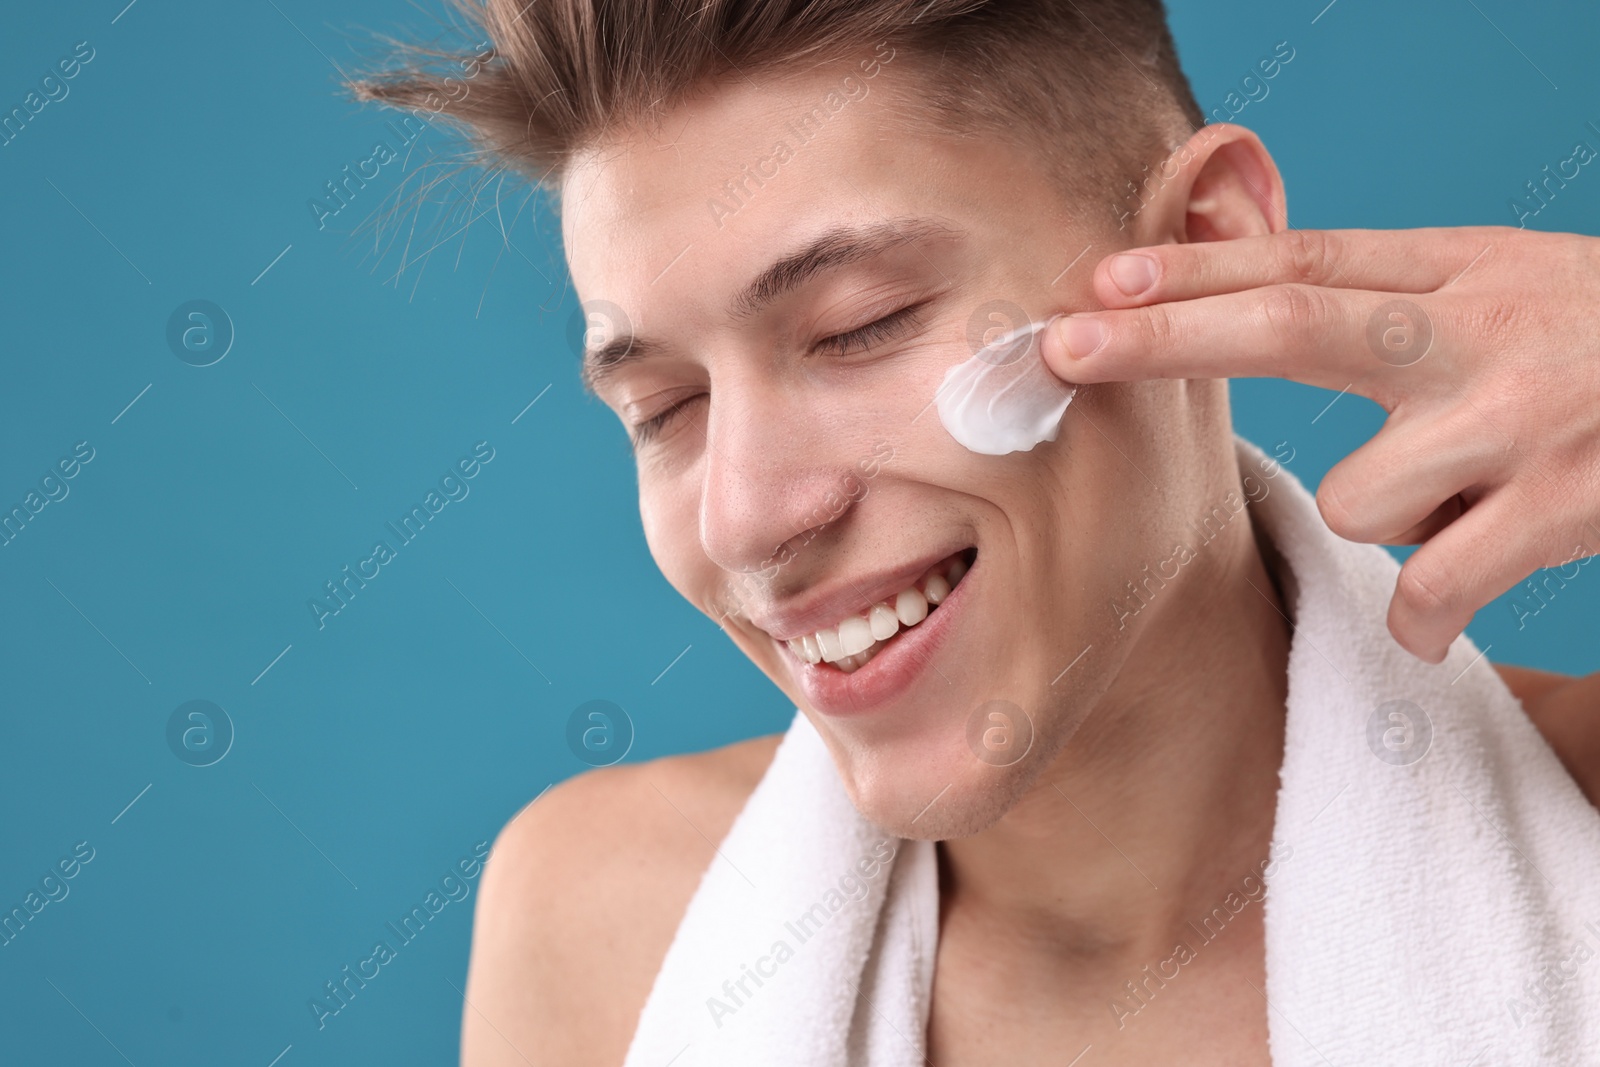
1065 874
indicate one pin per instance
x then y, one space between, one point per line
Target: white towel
1434 910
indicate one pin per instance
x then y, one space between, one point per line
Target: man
798 217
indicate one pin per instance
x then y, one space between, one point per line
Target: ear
1224 184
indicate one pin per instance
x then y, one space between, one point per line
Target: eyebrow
834 248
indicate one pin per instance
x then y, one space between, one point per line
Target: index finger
1396 261
1307 333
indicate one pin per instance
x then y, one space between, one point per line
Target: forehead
690 203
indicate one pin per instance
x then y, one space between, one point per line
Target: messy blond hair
1093 87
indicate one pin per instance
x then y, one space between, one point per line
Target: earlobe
1234 188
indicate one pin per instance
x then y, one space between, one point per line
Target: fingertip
1082 335
1421 650
1069 341
1415 637
1128 278
1133 274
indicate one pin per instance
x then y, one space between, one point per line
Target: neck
1163 801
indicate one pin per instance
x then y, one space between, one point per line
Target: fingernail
1081 335
1133 274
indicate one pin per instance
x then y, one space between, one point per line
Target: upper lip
828 603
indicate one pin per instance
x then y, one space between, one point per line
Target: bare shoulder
1566 710
581 897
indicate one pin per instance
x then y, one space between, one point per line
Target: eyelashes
890 326
646 431
887 328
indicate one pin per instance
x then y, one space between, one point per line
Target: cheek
894 394
669 516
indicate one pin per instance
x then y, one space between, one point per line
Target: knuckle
1158 330
1495 320
1500 317
1292 312
1305 254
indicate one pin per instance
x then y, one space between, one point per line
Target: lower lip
887 675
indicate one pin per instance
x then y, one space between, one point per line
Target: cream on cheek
1004 399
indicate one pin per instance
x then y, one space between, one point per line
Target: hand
1481 343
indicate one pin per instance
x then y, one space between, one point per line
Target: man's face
798 473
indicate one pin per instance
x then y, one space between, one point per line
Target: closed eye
860 339
892 325
646 431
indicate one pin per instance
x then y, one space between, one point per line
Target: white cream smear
1005 398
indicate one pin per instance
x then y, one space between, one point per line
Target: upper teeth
847 640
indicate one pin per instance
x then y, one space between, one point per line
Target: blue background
377 751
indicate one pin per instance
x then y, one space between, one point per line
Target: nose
773 477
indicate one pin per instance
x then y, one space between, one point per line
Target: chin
970 803
941 783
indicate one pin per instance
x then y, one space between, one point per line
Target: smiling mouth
850 644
